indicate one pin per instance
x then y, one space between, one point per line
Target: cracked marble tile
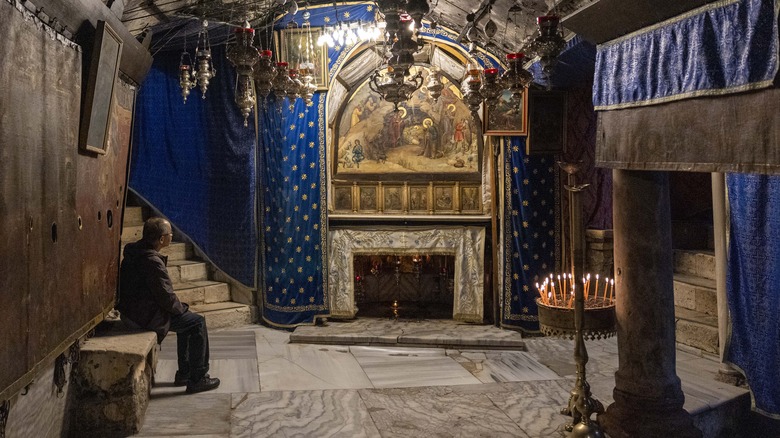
329 413
306 367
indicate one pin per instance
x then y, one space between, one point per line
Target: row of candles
559 292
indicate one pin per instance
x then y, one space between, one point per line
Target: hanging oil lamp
186 78
516 79
492 87
548 43
264 73
243 55
472 85
295 86
206 70
281 82
434 84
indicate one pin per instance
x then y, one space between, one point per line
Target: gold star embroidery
526 267
346 14
305 196
525 287
525 203
311 165
292 300
526 160
536 256
369 8
296 208
301 135
515 276
314 206
305 217
311 279
311 144
306 238
515 233
298 249
311 299
316 227
515 169
525 182
292 127
277 300
525 224
300 115
300 270
295 167
515 148
525 309
301 290
292 147
311 124
304 177
326 19
295 188
284 291
308 259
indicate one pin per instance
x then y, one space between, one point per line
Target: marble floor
272 387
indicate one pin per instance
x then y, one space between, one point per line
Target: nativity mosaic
424 138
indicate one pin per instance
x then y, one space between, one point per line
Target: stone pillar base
636 417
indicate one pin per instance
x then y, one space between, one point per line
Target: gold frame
284 43
349 199
504 130
387 191
363 206
440 201
477 208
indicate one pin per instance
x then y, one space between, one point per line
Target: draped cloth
724 47
292 155
195 163
529 231
753 294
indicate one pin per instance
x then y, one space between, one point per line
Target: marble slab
438 333
235 375
437 412
332 413
206 414
503 366
304 367
410 367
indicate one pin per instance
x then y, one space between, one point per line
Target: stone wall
599 254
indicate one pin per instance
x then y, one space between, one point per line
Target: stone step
226 314
698 263
177 251
187 271
695 293
696 329
133 216
204 291
132 233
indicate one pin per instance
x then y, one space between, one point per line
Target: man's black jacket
146 295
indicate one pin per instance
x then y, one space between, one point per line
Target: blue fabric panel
575 67
294 211
727 49
753 278
529 218
195 163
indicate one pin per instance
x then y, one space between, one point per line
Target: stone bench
112 382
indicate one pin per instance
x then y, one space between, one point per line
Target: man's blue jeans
192 345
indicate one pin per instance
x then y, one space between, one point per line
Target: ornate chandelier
397 83
186 78
244 55
515 78
548 43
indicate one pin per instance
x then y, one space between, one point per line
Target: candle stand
578 312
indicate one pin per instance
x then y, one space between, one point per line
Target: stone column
648 396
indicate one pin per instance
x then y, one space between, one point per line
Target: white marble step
698 263
695 293
177 251
696 329
226 314
187 270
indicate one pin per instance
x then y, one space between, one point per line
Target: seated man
147 300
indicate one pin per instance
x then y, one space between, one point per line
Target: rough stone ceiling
514 19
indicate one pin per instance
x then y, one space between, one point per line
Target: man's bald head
156 227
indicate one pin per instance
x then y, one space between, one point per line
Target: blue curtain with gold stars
529 226
291 160
293 211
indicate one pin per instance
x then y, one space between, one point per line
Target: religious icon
343 198
393 198
368 198
469 199
443 197
418 198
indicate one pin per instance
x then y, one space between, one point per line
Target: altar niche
404 286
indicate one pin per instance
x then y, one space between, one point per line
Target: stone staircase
190 278
695 302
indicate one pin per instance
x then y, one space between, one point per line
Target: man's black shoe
181 379
205 384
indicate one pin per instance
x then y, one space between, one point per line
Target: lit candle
611 289
587 286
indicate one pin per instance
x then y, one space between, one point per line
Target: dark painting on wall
547 133
99 96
